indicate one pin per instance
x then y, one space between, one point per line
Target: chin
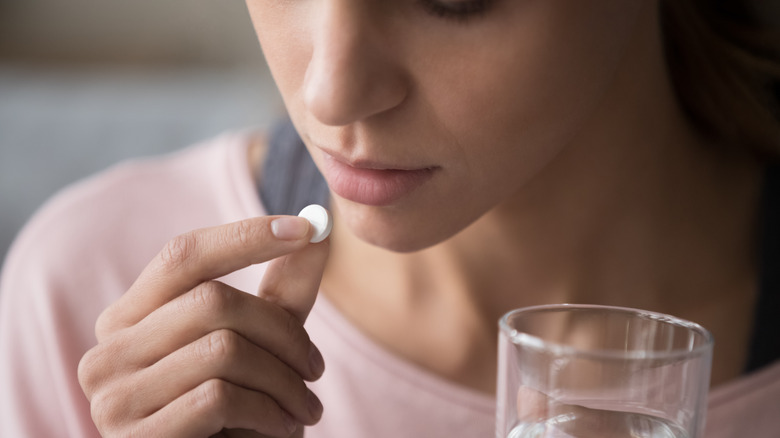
397 229
390 241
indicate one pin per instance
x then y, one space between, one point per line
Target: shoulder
82 250
106 227
746 406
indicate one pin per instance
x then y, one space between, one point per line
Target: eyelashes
460 10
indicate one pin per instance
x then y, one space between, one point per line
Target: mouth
372 183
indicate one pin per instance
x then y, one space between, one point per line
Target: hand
183 355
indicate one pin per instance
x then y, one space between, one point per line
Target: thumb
292 281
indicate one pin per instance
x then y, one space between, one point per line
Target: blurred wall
212 32
85 84
145 31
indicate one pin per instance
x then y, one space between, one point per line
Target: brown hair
725 65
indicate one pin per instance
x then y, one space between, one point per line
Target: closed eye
460 10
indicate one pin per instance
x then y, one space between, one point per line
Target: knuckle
295 345
106 324
210 396
293 329
86 372
211 297
178 251
295 384
97 369
103 325
220 345
104 411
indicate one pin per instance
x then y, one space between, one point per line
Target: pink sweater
86 246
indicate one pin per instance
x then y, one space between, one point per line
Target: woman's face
423 115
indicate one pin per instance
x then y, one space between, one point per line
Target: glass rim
557 348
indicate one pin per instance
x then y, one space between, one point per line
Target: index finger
201 255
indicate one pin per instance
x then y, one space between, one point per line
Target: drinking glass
589 371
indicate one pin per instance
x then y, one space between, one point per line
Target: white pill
320 219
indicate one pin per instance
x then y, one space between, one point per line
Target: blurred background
87 83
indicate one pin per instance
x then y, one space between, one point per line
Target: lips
372 184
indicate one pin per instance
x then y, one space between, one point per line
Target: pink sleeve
747 407
81 252
47 315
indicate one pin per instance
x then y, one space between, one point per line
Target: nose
352 74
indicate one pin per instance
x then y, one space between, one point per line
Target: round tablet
320 219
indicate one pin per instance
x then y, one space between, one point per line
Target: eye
460 10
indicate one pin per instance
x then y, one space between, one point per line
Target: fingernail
290 227
315 407
316 363
289 422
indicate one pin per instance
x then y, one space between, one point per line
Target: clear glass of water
590 371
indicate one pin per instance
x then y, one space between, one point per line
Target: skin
394 84
564 171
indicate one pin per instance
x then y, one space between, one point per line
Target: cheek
530 85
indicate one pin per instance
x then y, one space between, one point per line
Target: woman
480 155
